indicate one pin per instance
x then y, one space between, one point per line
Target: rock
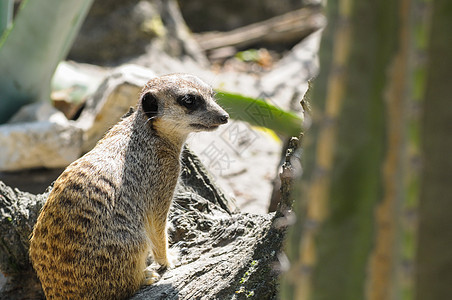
39 144
38 136
37 112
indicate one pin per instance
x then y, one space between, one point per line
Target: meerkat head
178 104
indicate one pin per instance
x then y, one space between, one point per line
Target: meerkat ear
149 104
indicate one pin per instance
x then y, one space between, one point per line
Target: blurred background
364 84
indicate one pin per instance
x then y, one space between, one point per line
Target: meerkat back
108 210
87 243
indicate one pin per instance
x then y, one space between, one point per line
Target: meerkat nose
223 118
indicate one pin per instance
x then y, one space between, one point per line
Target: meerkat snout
212 119
209 121
220 116
223 118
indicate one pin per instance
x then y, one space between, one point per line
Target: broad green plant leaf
41 36
259 112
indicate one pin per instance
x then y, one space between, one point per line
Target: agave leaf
41 36
6 15
259 112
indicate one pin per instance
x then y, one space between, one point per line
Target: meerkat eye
190 101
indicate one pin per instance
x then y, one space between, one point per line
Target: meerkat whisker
149 119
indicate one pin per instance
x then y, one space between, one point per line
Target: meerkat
108 210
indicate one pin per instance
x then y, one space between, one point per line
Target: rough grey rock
18 214
38 112
47 139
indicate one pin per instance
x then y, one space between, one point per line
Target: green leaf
248 55
41 36
259 112
6 15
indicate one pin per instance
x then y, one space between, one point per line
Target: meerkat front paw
170 260
150 276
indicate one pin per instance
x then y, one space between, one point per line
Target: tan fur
109 209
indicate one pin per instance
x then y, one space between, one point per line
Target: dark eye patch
190 101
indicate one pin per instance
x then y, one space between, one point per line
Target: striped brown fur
108 210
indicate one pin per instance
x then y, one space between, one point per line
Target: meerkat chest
156 177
